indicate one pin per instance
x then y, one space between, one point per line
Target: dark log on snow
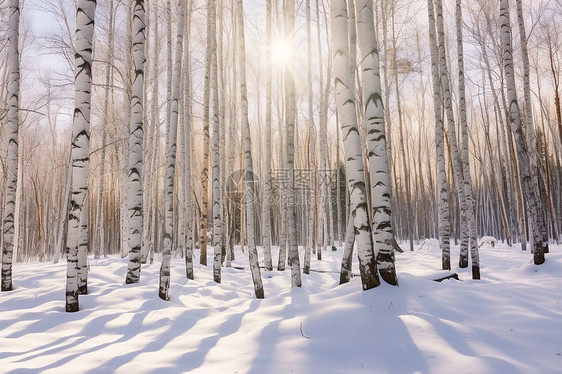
450 276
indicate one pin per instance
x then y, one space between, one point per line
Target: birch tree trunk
345 102
290 115
218 242
267 199
455 157
106 116
77 240
134 198
248 169
443 194
376 141
125 131
465 156
164 287
187 150
206 137
322 228
311 202
528 179
347 257
12 126
528 126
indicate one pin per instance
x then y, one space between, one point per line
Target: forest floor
508 322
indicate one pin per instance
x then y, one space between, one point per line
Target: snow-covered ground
508 322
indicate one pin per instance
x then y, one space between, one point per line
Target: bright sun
281 52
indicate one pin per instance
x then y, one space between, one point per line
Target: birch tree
206 136
449 115
442 187
528 179
345 102
268 262
465 156
134 198
77 241
312 148
163 291
376 141
248 168
290 118
218 242
12 126
187 150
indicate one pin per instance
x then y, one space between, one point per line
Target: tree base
163 295
389 277
73 307
131 280
475 272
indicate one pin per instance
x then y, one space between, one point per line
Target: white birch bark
529 128
465 156
528 125
455 157
124 159
268 262
376 141
442 187
134 198
187 155
147 142
218 242
164 287
311 202
290 118
347 257
206 138
248 169
321 230
528 179
99 219
12 126
77 240
345 102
